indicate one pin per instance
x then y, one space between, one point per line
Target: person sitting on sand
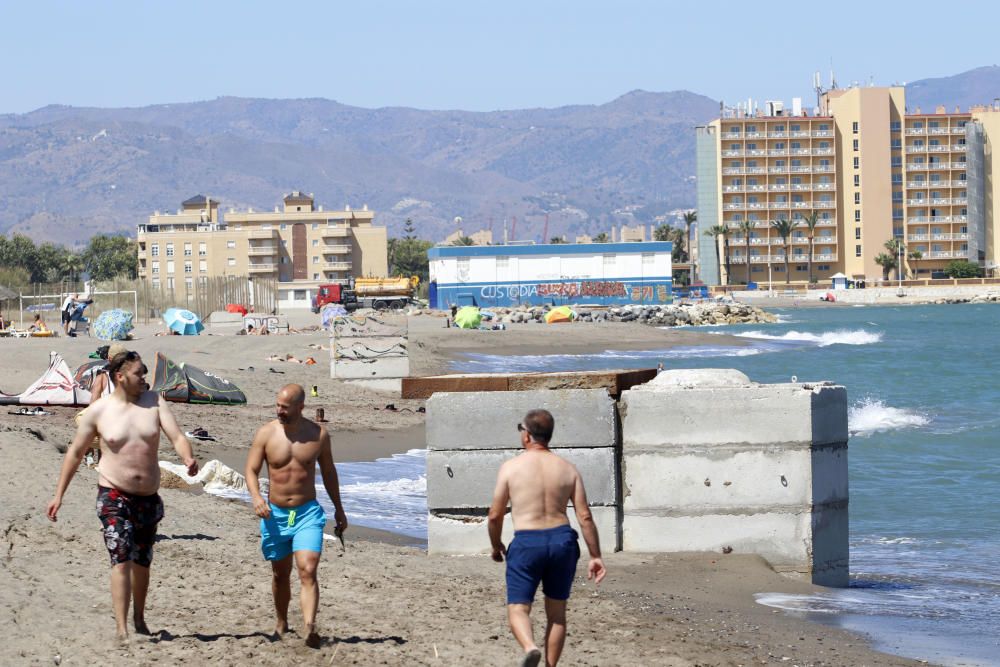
291 521
38 324
545 549
129 424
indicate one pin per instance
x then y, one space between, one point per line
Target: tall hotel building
868 168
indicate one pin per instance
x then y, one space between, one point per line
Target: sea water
924 412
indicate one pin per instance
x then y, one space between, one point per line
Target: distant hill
67 172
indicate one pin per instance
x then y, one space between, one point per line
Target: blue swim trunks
291 529
547 556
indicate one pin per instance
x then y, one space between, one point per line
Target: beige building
869 171
482 237
299 244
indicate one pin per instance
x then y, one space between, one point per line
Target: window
857 215
231 261
756 269
315 259
315 242
170 250
897 214
896 161
202 266
315 225
266 226
156 267
854 129
154 250
896 178
202 248
857 180
315 276
823 267
894 126
896 144
188 284
282 226
187 249
857 163
156 283
857 233
857 250
230 244
170 266
187 267
897 196
170 282
801 267
857 197
855 144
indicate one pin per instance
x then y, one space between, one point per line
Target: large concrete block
686 416
728 477
466 478
472 420
810 545
357 369
457 533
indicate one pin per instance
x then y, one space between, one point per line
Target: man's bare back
540 485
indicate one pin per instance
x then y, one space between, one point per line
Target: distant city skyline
472 56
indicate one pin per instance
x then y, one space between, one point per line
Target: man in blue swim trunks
291 521
538 484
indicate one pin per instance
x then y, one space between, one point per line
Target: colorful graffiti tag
603 289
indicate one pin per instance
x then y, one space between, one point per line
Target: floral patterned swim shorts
129 524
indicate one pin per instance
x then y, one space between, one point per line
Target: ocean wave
827 338
873 416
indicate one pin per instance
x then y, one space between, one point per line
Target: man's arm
596 569
255 460
85 433
330 480
177 439
501 495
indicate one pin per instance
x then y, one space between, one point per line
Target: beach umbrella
560 314
112 324
183 321
236 308
468 317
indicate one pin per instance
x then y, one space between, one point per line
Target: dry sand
381 602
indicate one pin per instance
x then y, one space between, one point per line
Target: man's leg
140 585
520 625
307 562
281 589
121 595
555 630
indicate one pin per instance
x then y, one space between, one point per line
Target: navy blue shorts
546 556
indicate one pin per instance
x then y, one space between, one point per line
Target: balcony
733 188
822 151
937 130
828 257
777 170
824 204
958 130
756 170
337 249
335 232
822 169
916 149
917 237
732 171
758 241
942 254
917 166
961 148
800 240
262 234
823 133
336 266
753 135
917 184
733 206
917 202
756 205
801 151
938 149
262 268
777 152
732 153
822 186
917 219
799 187
737 259
913 131
780 205
776 135
262 250
778 187
731 135
827 223
142 254
801 170
798 134
960 218
757 152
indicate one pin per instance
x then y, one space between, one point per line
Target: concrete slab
614 381
761 414
466 534
472 420
354 369
466 479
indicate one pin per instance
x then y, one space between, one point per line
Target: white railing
778 187
960 218
801 186
337 249
777 170
826 223
959 184
915 130
823 133
731 135
917 219
757 152
732 153
824 204
777 204
753 135
755 170
825 258
759 241
916 166
733 188
823 168
336 266
959 147
800 151
937 130
801 204
777 152
798 134
732 171
737 259
938 149
733 207
822 151
822 186
958 130
917 202
755 205
940 254
916 149
917 184
262 250
756 188
256 268
940 218
917 237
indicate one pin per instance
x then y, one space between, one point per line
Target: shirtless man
545 550
291 520
128 421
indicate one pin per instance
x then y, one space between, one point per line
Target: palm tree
463 240
895 247
716 232
784 229
746 227
887 262
676 236
915 256
662 233
690 218
601 238
557 239
810 221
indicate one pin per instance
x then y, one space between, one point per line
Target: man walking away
128 422
291 521
539 484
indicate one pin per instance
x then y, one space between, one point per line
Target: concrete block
785 539
685 416
722 478
354 369
457 533
466 478
472 420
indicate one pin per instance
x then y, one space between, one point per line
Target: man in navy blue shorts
545 549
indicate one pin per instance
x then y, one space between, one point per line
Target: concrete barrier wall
711 460
471 434
369 348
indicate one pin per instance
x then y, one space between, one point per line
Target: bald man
291 521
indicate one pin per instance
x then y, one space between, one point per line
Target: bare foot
279 631
140 627
531 658
121 638
312 637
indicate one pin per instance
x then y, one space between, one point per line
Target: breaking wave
873 416
840 337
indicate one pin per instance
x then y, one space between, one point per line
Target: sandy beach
382 602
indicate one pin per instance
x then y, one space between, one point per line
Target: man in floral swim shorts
128 421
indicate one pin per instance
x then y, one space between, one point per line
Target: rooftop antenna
545 230
833 79
818 87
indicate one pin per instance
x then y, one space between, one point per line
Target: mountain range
67 173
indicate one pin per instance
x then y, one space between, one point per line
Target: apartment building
299 244
869 171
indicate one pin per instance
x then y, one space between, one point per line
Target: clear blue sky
472 54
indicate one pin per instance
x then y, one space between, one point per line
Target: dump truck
378 293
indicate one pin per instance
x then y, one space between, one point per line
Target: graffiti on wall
571 289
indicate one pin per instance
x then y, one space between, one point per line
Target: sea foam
824 339
873 416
